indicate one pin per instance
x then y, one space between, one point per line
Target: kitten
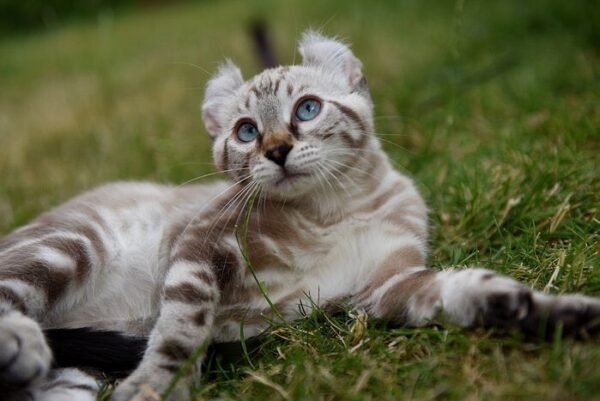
314 210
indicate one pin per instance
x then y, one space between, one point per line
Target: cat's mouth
289 177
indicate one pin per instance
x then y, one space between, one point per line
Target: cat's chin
292 185
290 179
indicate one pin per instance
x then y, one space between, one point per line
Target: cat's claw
24 354
139 394
142 394
139 389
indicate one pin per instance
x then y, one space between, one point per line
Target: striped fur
334 221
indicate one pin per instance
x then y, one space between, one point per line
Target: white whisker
209 203
208 175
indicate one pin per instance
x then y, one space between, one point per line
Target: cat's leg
60 385
471 297
35 273
186 316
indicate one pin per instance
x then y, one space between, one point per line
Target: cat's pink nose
278 154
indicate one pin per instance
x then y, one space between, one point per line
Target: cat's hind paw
24 354
508 308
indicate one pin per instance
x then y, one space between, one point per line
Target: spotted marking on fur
352 115
394 263
199 318
174 350
75 249
393 302
225 157
187 293
12 298
36 273
205 276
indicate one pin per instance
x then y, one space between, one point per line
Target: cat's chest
330 245
314 264
319 252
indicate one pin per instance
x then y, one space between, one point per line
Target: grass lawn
493 107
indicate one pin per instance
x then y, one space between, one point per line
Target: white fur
217 95
65 385
56 258
23 344
318 50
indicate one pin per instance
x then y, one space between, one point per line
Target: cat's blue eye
247 132
308 109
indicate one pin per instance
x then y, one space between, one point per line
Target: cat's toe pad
24 354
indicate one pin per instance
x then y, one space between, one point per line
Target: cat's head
296 130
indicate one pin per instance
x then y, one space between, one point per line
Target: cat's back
146 196
110 212
122 231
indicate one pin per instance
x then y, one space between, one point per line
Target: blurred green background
492 106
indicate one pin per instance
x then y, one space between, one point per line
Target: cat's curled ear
218 92
328 53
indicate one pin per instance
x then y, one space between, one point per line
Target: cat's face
294 130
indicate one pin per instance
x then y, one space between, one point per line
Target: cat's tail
262 44
116 354
110 352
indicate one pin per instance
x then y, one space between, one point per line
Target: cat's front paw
24 353
576 314
539 315
148 387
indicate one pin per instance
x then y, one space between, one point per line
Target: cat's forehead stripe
269 81
351 114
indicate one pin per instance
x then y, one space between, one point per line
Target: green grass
493 107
